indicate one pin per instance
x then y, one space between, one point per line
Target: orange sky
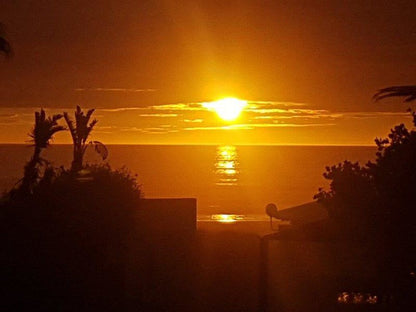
307 68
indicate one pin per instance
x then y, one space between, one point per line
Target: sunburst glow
228 108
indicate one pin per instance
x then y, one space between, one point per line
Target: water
225 179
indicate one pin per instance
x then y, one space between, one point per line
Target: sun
227 109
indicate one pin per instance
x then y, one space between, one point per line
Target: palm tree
5 47
79 133
41 135
409 92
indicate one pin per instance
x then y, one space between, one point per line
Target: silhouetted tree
42 133
379 195
67 237
66 245
79 133
5 46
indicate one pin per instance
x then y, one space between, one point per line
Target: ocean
224 179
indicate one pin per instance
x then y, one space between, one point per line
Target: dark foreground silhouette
373 206
83 239
5 47
65 243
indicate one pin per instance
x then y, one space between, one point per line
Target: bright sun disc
228 109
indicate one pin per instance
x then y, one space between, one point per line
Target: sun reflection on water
226 165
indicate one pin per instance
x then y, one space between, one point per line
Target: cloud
276 103
261 107
228 127
266 110
113 90
158 115
131 129
281 110
155 130
162 129
6 119
8 116
199 120
105 127
175 107
185 117
253 126
292 125
180 107
121 109
306 114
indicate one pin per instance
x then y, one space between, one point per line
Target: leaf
100 148
406 91
71 127
44 129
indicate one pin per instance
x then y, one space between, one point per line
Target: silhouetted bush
377 198
66 244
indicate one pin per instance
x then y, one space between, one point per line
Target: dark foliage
45 128
373 206
41 135
5 47
377 198
80 131
351 188
66 243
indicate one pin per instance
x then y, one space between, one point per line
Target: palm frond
57 117
44 128
89 129
71 127
42 133
89 113
409 92
55 129
82 127
80 133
